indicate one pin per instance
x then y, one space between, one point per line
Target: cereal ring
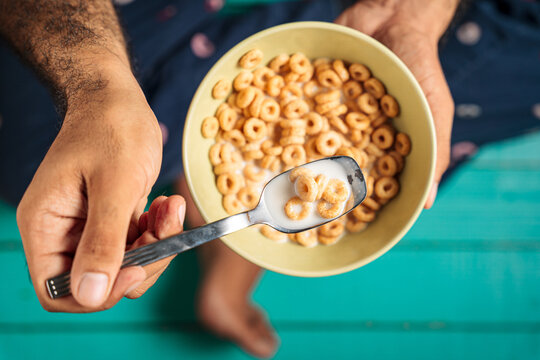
221 89
231 204
328 210
291 77
335 191
229 183
293 155
354 225
320 61
292 204
293 131
338 111
307 76
249 197
359 72
311 88
235 137
296 172
332 229
210 127
261 77
400 161
360 157
228 167
363 214
370 183
245 97
327 240
242 80
256 105
254 129
251 59
226 153
270 110
269 148
356 135
291 90
311 149
352 89
227 118
275 166
295 109
214 154
267 161
293 123
251 172
322 67
328 143
357 121
279 63
371 204
299 63
386 187
389 106
306 188
375 87
374 150
322 183
327 106
329 78
328 96
380 120
274 85
339 124
253 155
340 70
306 238
344 151
314 123
273 234
367 103
382 137
292 140
363 143
403 144
387 165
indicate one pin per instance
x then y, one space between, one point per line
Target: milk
281 189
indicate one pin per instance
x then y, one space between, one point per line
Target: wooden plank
319 344
402 285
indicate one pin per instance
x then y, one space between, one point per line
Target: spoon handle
59 286
187 240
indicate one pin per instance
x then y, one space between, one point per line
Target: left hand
415 43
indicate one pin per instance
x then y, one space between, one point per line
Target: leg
224 305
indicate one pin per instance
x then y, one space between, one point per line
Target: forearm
73 45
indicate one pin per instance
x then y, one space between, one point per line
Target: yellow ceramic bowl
318 39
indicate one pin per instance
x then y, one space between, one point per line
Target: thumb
112 199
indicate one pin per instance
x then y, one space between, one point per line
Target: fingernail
133 287
432 194
182 213
93 288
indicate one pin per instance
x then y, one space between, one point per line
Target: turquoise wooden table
463 284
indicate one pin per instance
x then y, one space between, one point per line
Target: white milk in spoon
281 189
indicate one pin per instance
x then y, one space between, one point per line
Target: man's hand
411 29
81 210
83 206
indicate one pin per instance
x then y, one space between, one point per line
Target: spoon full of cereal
294 201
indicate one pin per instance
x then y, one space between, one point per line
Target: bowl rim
386 51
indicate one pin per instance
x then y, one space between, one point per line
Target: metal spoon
261 214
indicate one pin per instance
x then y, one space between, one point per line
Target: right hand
82 208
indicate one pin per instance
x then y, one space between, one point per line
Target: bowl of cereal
300 92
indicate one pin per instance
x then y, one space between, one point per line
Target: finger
112 198
168 221
127 280
143 223
133 230
152 212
